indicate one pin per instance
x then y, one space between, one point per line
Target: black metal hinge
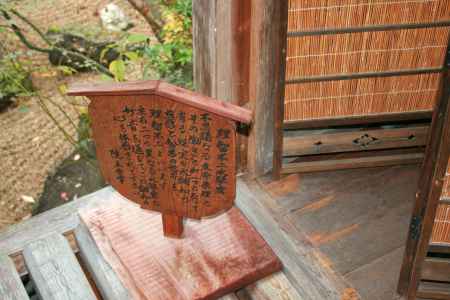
414 230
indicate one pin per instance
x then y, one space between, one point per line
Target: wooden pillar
221 33
239 50
428 194
267 53
214 27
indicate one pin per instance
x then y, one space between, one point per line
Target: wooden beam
267 49
436 269
355 140
11 287
310 279
279 94
429 192
358 120
352 163
104 275
221 37
434 290
55 270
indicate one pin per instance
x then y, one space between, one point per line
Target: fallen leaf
27 199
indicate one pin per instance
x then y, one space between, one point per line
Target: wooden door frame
429 191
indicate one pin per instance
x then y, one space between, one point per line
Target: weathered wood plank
274 287
355 140
436 269
104 276
55 270
204 44
357 120
351 217
378 279
428 193
434 290
11 287
352 163
266 55
215 256
307 275
60 219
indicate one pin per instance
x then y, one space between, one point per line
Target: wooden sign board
166 148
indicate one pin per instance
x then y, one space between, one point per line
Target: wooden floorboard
378 279
357 219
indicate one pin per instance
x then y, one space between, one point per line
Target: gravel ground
31 147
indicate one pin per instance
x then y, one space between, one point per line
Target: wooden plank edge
301 267
55 270
355 140
149 87
353 163
360 119
11 287
106 280
61 219
436 269
434 290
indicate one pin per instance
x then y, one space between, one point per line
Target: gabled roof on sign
161 88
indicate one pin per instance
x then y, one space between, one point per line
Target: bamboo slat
360 96
366 52
441 229
320 14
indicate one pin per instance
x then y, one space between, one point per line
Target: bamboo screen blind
361 52
441 228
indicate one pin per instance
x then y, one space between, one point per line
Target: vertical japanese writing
183 174
205 136
222 144
194 141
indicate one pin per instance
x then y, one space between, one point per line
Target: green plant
14 79
171 58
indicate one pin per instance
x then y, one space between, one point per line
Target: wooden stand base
216 256
172 225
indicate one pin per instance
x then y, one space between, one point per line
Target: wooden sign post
166 148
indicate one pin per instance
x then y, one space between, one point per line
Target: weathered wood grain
378 279
106 280
273 287
428 193
352 163
266 55
55 270
307 275
434 290
216 256
11 287
424 115
60 219
436 269
150 87
355 140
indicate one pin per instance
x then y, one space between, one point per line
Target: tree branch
145 10
34 27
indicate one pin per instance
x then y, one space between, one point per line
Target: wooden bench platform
64 262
